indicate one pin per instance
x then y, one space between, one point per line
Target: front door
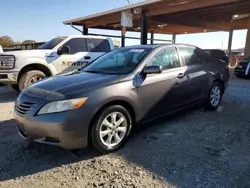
161 93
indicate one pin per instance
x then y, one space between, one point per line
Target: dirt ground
195 148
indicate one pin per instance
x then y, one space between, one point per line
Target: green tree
28 41
6 41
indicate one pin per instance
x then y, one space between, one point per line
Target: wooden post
247 46
123 39
144 29
230 40
152 37
85 30
174 38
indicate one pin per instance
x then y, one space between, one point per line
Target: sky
42 20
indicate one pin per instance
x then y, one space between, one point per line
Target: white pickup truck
22 68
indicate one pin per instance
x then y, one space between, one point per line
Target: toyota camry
100 104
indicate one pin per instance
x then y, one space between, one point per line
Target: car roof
153 46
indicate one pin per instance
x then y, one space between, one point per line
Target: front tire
214 97
30 78
110 129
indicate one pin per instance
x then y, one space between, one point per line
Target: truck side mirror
63 50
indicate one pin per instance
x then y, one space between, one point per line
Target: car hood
69 85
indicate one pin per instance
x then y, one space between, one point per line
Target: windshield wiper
92 71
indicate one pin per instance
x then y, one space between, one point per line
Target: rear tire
15 87
29 78
214 97
110 129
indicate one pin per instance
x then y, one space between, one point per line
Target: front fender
20 64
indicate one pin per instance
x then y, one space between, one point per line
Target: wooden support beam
174 38
191 22
152 37
123 39
186 5
85 30
144 29
230 40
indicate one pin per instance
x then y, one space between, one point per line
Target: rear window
98 45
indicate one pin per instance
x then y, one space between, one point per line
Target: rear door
77 58
162 93
197 73
97 47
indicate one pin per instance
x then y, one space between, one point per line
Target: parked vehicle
220 54
237 56
23 68
242 70
101 104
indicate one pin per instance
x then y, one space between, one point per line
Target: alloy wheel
215 96
113 129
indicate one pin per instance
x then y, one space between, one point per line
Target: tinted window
218 53
52 43
98 45
167 58
121 61
76 45
190 55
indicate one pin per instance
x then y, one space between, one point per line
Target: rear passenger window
76 45
98 45
190 55
167 58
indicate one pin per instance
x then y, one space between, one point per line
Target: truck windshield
121 61
52 43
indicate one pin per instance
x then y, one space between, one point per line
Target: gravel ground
195 148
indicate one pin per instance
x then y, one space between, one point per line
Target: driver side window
167 58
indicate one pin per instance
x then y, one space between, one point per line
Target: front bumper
8 77
68 130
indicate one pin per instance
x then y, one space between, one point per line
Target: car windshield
52 43
120 61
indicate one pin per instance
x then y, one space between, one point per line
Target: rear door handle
181 75
87 57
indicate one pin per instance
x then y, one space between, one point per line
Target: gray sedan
100 104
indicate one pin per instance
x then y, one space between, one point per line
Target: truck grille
7 62
23 108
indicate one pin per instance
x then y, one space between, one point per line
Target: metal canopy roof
176 16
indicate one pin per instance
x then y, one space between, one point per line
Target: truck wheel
30 78
15 87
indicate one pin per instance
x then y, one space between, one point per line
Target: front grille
23 108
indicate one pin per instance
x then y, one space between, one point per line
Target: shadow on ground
7 94
195 148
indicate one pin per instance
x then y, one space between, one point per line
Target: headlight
7 61
60 106
239 66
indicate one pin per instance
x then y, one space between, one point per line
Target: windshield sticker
137 50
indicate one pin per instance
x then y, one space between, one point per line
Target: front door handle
181 75
87 57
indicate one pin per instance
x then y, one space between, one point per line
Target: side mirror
152 70
63 50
